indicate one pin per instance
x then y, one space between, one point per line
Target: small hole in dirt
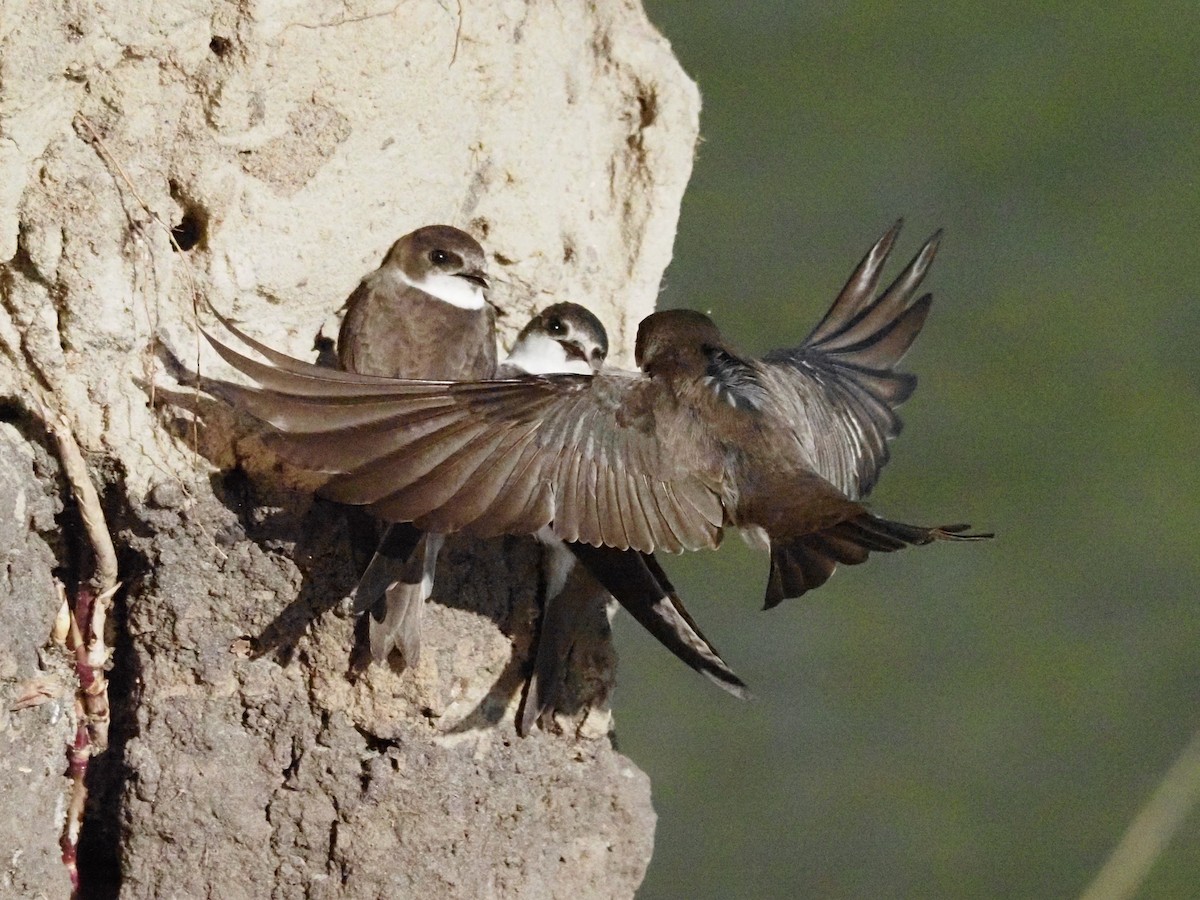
9 411
188 232
219 45
193 218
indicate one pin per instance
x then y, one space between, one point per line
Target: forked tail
801 564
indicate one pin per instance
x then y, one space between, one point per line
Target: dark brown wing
842 381
583 453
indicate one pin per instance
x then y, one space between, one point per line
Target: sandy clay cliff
264 155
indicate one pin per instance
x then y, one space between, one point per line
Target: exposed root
84 620
78 755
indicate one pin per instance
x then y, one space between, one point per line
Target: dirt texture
283 147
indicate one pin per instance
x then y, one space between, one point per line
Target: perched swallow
563 339
567 338
700 439
422 314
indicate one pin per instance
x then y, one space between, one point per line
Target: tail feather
641 586
801 564
395 617
395 623
670 622
795 569
395 548
562 617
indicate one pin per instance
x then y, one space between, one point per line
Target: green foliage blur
971 720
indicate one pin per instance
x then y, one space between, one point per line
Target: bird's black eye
439 257
556 326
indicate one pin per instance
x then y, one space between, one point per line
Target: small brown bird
701 438
567 338
422 314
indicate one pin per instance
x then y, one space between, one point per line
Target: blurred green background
954 721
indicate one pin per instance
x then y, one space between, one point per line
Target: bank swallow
567 338
422 314
699 439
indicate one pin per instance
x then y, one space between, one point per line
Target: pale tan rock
289 144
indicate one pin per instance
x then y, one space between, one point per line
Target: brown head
677 339
443 261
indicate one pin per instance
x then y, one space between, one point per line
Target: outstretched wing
841 381
581 453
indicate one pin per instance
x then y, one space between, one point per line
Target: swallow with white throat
422 314
568 338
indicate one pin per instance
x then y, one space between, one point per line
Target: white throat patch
540 354
450 289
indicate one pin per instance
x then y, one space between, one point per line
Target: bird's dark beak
475 277
574 350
